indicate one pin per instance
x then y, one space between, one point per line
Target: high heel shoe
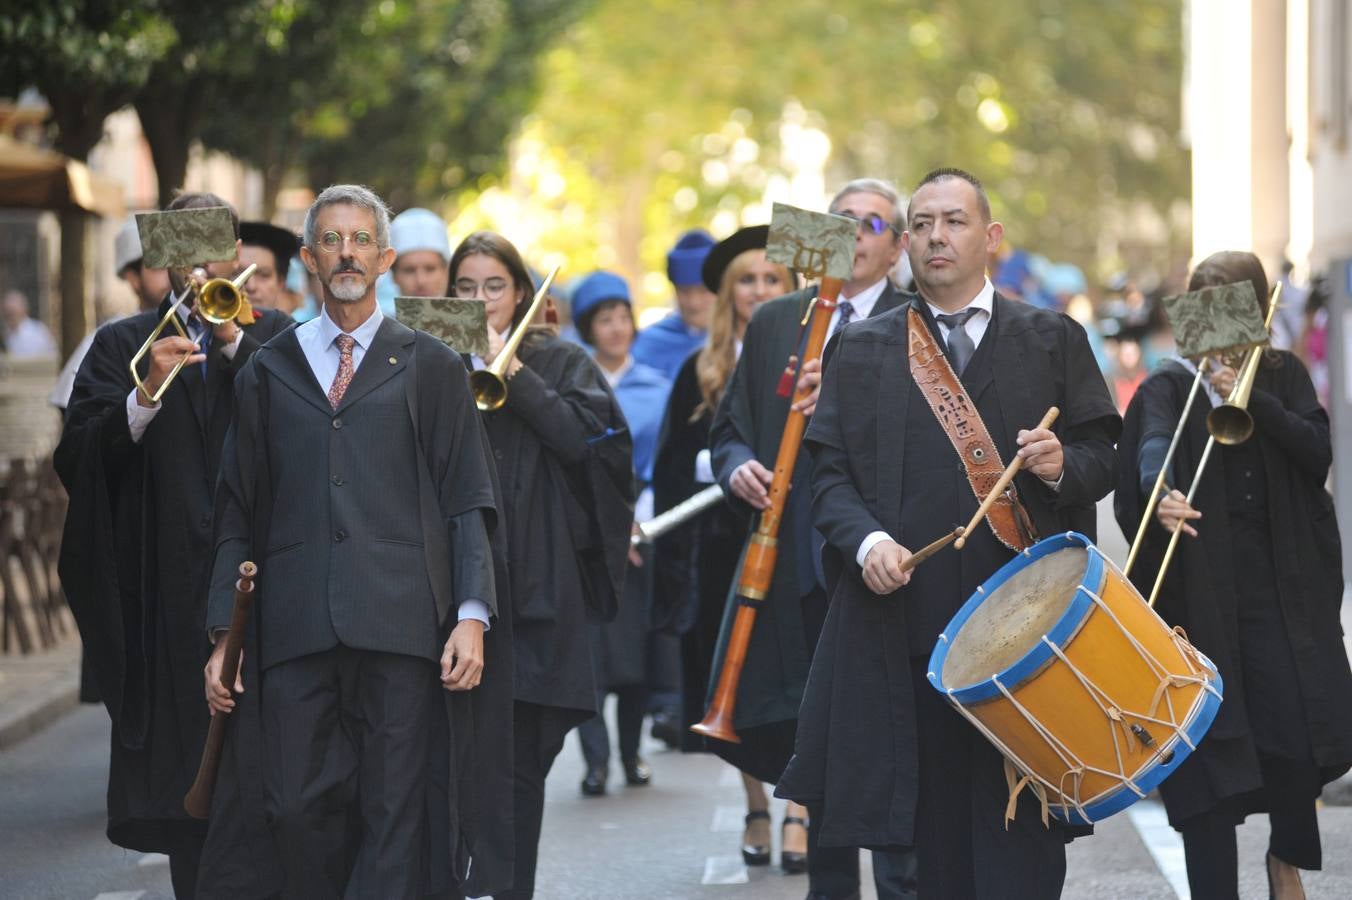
791 862
755 854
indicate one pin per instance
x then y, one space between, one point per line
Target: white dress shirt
976 326
139 417
863 303
318 341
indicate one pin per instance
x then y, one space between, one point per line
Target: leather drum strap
958 417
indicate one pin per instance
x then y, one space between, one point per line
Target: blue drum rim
1123 796
1040 654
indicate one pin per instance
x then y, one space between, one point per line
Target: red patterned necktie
344 377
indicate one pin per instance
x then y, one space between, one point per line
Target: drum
1091 697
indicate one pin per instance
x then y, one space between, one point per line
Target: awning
34 178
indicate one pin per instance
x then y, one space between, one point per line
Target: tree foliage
1067 109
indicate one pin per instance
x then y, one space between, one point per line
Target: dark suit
905 770
370 544
134 562
748 425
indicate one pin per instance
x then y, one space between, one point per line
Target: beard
345 290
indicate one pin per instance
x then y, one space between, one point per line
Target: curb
37 690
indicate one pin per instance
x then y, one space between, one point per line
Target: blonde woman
695 565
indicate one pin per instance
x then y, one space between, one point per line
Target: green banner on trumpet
1216 320
182 238
815 244
461 324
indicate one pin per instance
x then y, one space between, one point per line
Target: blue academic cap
595 289
685 261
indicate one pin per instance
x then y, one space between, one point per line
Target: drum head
1012 619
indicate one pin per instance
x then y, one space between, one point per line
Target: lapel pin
393 360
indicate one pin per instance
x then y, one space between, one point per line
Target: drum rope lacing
1076 767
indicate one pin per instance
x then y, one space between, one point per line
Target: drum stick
929 550
1010 471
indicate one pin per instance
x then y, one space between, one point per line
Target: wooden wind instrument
197 802
758 565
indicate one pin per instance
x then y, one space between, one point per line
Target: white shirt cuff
474 609
229 350
704 467
139 417
868 543
1054 485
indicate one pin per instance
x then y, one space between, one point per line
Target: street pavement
676 838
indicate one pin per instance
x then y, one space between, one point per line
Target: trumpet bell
488 388
219 301
1229 424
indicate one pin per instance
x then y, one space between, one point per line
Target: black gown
471 751
134 562
565 461
695 563
878 749
1267 552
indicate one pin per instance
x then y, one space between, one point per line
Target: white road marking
152 859
725 870
1152 824
121 895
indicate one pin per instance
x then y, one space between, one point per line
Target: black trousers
184 861
629 713
347 734
538 733
962 847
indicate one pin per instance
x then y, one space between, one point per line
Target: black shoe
755 854
792 863
667 729
637 773
594 785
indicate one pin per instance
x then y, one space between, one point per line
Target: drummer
908 777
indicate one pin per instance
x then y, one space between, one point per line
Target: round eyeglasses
332 241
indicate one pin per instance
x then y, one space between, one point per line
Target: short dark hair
982 201
583 323
204 200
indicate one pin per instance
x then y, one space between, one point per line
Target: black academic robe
748 425
471 780
856 753
693 564
135 557
1291 431
564 458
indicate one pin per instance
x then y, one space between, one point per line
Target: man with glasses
745 441
375 591
136 551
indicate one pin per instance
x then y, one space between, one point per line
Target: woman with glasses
564 461
1257 585
695 564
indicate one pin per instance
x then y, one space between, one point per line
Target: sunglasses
873 223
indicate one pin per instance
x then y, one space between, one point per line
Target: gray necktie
846 315
960 345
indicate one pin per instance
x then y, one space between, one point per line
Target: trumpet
1229 424
489 385
218 300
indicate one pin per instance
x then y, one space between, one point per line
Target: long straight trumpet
489 386
1228 424
217 301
